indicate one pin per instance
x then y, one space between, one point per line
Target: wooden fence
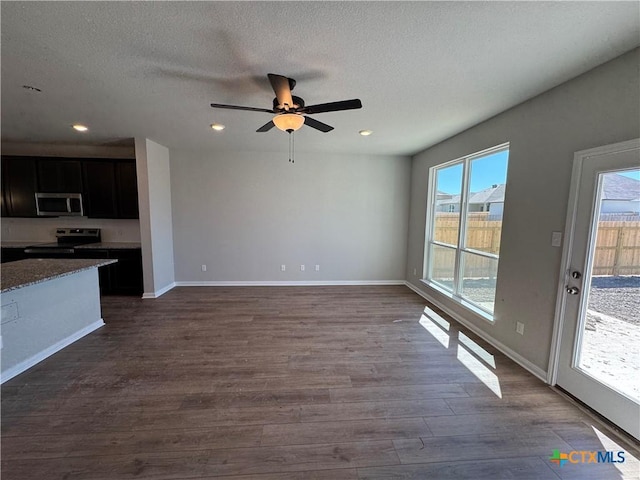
482 234
617 249
617 244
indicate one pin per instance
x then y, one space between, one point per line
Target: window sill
469 306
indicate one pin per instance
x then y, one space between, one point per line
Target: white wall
244 214
156 229
598 108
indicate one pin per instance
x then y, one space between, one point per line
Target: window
462 246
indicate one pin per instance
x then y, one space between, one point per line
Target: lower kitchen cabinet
104 273
121 278
126 275
10 254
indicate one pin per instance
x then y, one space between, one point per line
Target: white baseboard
516 357
160 292
47 352
285 283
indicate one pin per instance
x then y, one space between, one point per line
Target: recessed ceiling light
217 126
80 128
365 133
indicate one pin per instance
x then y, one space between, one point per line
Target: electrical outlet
302 268
204 267
283 268
317 268
520 328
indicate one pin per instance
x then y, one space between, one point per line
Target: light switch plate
556 239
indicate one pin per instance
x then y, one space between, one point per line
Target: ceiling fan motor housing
290 111
297 104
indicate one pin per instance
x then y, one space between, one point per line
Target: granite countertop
104 245
37 270
22 244
87 246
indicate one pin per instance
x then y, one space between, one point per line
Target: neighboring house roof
441 194
494 194
488 195
614 187
619 187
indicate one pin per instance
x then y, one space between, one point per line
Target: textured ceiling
423 70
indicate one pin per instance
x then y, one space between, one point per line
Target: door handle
573 290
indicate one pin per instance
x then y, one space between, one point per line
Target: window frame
460 248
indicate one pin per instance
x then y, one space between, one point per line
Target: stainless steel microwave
59 204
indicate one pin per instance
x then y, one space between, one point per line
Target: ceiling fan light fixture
288 122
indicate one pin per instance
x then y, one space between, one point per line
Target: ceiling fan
290 111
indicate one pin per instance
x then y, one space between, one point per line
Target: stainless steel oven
67 239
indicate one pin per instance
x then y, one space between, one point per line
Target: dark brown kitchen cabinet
18 186
100 189
11 254
110 189
127 189
121 278
126 275
59 175
104 272
3 204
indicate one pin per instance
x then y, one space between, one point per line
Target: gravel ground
617 297
610 353
610 349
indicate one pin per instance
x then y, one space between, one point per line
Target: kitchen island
47 304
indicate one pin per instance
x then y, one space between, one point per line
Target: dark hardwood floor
290 383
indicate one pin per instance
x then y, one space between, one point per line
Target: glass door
599 351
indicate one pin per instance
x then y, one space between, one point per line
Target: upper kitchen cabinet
59 175
110 189
18 186
99 189
127 189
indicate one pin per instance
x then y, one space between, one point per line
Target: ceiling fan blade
238 107
313 123
333 106
282 88
266 127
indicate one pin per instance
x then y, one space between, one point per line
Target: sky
485 172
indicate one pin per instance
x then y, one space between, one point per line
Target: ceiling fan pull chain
291 159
